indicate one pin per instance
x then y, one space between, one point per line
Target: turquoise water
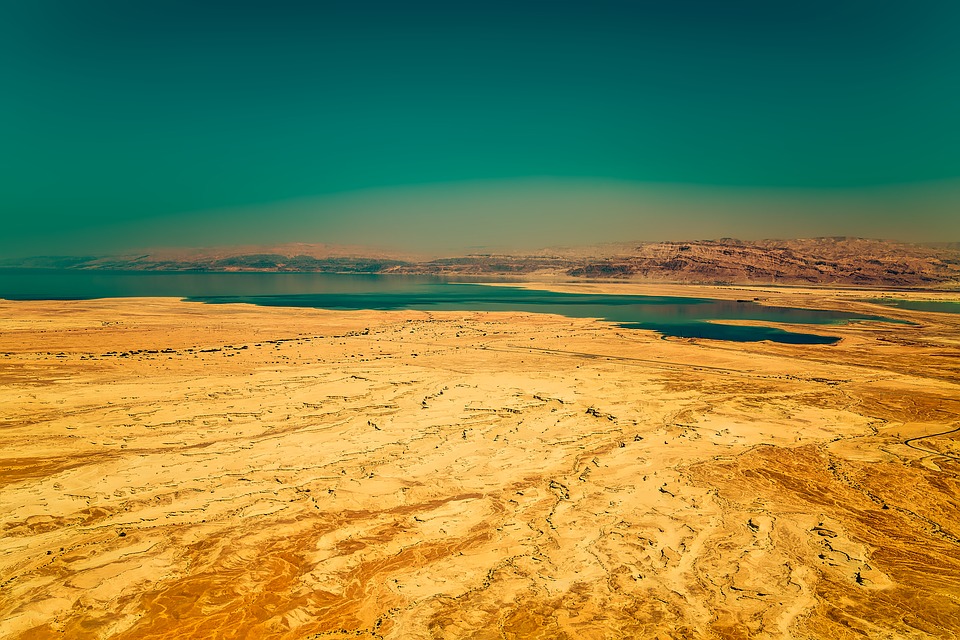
670 316
921 305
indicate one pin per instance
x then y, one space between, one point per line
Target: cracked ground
173 469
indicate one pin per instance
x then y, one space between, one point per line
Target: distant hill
845 261
815 261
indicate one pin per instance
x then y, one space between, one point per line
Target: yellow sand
172 469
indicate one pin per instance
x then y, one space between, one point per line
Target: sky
452 125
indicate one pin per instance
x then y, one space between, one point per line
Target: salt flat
174 469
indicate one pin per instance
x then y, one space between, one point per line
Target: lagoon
938 306
669 316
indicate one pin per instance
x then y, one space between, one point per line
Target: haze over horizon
436 127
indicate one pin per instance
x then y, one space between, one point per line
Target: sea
682 317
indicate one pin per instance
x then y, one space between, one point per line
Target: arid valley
173 469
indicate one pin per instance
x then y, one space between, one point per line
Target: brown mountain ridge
814 261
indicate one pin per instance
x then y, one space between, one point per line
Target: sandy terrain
172 470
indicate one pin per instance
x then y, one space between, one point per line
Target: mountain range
845 261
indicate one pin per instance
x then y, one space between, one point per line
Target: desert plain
173 469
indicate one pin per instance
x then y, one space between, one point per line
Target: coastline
401 473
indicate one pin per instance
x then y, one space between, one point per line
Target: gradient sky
443 125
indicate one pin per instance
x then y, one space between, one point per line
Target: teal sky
430 125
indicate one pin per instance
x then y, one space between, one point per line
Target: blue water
921 305
670 316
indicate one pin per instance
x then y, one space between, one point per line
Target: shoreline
293 471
